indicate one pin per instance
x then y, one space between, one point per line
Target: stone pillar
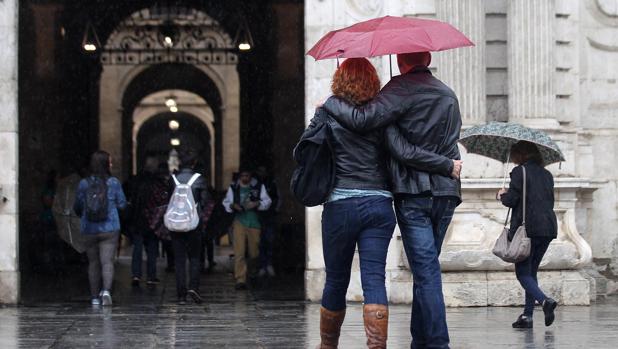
530 65
9 136
463 69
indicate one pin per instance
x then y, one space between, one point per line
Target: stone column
463 69
9 136
530 64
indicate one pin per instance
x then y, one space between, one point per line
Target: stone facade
9 271
551 65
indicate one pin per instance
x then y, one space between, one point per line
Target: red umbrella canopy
389 35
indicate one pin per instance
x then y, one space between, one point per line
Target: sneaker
523 322
182 300
106 298
135 281
270 270
549 305
262 273
241 286
152 282
95 301
195 296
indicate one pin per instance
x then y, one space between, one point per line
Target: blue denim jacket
116 200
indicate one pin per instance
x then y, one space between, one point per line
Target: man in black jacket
425 118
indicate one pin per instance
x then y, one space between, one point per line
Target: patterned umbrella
495 139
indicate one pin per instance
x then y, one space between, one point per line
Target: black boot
549 305
523 322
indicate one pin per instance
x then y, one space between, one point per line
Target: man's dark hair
187 157
245 169
99 164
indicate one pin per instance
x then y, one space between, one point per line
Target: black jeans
149 240
187 245
526 273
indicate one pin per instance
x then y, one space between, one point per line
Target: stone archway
135 66
192 104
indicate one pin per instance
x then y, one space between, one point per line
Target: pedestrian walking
426 186
244 198
539 220
142 236
187 243
359 210
98 199
268 219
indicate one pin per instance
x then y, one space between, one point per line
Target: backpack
96 200
314 177
181 214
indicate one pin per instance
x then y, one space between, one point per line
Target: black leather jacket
360 159
426 118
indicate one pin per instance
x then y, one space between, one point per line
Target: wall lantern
243 39
90 42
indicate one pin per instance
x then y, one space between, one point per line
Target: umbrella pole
390 64
506 168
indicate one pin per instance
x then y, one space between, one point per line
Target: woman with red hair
358 213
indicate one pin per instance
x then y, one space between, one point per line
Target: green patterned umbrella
495 139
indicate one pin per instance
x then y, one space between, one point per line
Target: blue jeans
368 222
150 241
423 222
526 273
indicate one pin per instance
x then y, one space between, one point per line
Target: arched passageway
72 102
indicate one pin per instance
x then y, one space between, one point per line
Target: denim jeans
369 223
187 245
423 222
526 273
149 240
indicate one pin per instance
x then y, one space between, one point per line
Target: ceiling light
244 46
243 39
90 47
174 109
175 142
174 125
170 102
168 42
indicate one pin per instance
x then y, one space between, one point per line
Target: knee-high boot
330 328
375 317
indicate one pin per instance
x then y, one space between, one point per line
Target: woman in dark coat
541 224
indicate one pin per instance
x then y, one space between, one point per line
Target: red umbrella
389 35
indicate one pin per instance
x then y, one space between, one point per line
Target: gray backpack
182 214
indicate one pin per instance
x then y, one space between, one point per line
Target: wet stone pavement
56 314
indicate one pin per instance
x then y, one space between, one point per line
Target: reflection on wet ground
271 315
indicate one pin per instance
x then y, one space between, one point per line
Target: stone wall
546 64
9 271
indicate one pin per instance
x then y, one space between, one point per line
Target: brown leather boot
376 325
330 327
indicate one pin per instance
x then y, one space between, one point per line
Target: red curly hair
356 80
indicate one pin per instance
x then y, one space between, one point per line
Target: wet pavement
272 314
